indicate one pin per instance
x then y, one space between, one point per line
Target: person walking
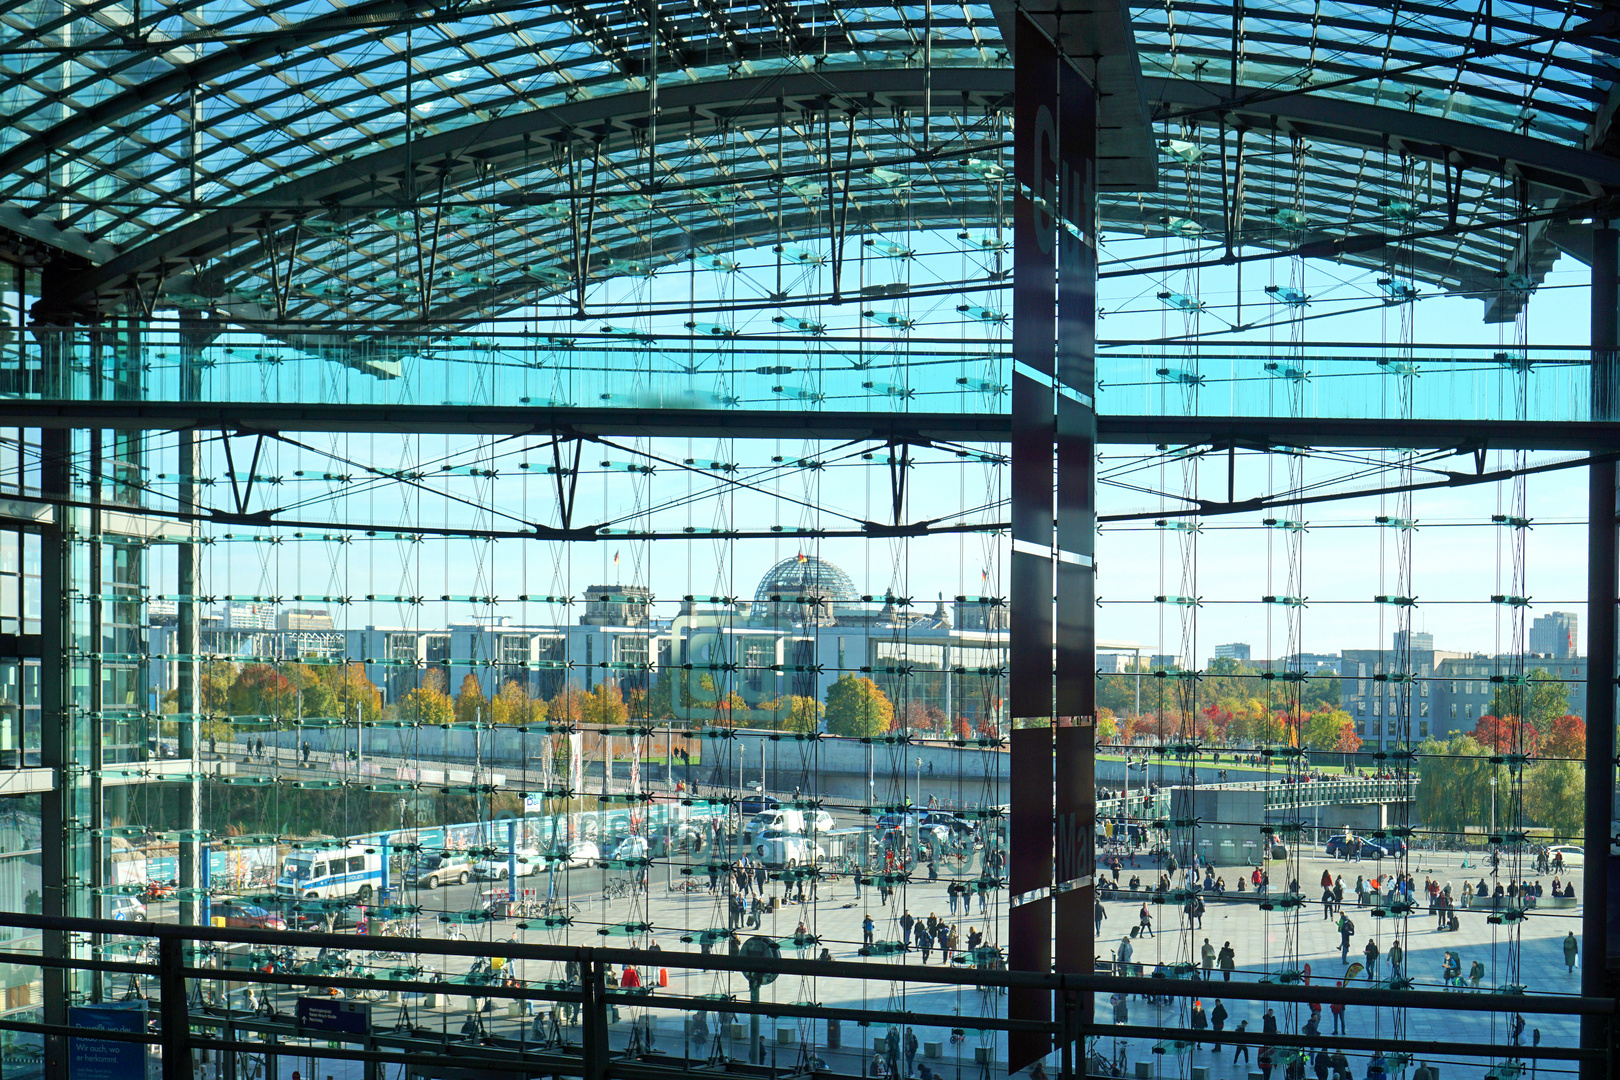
1337 1009
867 926
1200 1022
1396 955
1227 961
1346 929
1371 953
1123 957
1268 1025
1122 1011
911 1051
1097 917
1240 1048
1144 922
1572 949
1207 955
1217 1018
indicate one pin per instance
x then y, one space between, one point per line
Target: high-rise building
1420 641
1553 634
1237 650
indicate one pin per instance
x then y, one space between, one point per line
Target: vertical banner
1034 432
1075 639
576 761
1052 666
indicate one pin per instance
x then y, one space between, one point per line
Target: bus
343 874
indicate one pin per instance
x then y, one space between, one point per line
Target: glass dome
796 581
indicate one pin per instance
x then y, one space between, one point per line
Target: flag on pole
803 557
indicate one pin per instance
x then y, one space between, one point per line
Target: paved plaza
1260 940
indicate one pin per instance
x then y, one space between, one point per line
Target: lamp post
1493 809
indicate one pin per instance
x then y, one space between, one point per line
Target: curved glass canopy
393 160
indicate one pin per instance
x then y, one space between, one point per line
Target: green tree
1332 730
1555 796
857 708
1540 699
800 713
1454 784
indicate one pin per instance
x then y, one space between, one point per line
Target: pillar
1603 588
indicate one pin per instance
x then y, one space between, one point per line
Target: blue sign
334 1015
107 1059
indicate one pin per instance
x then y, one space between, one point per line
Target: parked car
1377 847
926 831
749 805
126 908
578 853
959 828
1573 856
443 869
251 916
528 863
682 836
1341 846
313 915
632 847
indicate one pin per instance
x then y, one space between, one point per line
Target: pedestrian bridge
1230 819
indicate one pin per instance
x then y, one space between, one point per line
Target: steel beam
1251 432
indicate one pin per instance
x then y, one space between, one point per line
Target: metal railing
222 992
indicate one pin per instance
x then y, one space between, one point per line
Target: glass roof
390 159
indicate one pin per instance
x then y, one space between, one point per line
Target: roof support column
1598 929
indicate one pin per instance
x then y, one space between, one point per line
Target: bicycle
616 888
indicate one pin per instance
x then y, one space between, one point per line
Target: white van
788 821
785 849
341 874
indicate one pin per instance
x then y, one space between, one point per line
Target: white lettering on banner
1076 847
1044 147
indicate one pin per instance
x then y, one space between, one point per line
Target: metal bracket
242 495
567 480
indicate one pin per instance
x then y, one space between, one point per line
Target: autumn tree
513 705
261 690
351 692
470 701
1567 739
1506 735
1540 700
567 706
800 713
858 708
604 705
427 704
